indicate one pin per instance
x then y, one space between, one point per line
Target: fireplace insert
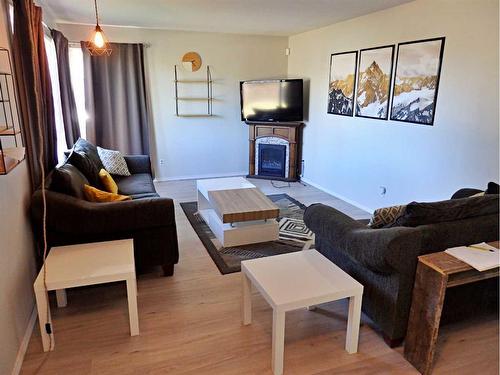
272 160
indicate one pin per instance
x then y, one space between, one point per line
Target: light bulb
98 39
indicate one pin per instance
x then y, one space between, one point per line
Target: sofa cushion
493 188
113 162
135 184
85 165
107 181
450 210
67 179
144 195
465 193
85 147
385 216
95 195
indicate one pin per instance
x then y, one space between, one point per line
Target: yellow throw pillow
95 195
108 182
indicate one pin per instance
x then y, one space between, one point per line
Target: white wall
17 265
353 157
202 146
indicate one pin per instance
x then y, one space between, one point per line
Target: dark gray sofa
384 260
147 218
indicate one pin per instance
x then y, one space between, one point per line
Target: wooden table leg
278 345
62 299
246 305
425 315
43 307
353 321
132 306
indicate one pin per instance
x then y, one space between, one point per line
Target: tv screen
272 100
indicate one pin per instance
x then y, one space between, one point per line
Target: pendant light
97 45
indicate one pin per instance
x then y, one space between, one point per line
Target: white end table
85 264
299 280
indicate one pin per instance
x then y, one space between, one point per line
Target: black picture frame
436 89
354 83
389 92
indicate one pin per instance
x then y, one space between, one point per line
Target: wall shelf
201 115
12 151
194 99
9 132
193 81
208 99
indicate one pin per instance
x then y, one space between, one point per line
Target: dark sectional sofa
384 260
147 218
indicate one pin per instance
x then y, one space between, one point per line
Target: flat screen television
278 100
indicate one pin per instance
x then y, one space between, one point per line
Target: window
76 71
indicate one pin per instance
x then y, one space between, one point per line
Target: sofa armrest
67 214
381 250
138 163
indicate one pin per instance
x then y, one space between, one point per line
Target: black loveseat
384 260
147 218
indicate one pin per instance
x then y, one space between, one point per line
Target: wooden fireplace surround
289 131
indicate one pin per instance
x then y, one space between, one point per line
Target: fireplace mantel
288 131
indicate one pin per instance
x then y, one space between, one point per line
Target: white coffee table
85 264
241 231
299 280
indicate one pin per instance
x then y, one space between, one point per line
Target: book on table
480 256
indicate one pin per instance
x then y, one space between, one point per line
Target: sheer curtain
50 48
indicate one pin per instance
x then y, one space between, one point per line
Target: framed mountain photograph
414 94
374 82
341 83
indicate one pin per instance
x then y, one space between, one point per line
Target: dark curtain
115 99
69 112
35 91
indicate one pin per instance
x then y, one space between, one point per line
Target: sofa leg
392 343
168 269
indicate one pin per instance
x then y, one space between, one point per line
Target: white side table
85 264
299 280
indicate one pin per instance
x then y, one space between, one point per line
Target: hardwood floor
190 323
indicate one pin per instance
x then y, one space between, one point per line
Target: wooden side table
435 273
85 264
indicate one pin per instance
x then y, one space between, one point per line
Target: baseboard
331 192
200 176
24 343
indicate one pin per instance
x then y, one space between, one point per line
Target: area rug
293 235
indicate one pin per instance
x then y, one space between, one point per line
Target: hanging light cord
96 13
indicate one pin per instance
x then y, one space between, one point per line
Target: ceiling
270 17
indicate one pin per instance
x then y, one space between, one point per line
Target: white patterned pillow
113 162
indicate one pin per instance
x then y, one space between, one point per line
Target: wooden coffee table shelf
242 205
236 211
435 273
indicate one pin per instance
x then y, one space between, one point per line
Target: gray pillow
83 161
83 146
450 210
67 179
